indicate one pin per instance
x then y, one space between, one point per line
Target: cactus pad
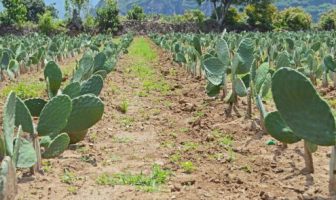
76 137
303 110
27 155
53 75
278 129
54 115
72 90
87 110
9 122
57 146
92 86
23 117
35 106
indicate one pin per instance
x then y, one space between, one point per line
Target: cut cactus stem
37 147
332 174
308 159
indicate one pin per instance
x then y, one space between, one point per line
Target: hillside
169 7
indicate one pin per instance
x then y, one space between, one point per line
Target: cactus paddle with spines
23 117
35 106
278 129
87 110
53 76
301 107
9 123
57 146
94 85
72 90
99 61
102 73
54 115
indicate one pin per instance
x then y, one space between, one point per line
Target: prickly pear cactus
35 106
26 156
87 110
99 61
245 54
8 183
301 107
72 90
278 129
78 136
92 86
102 73
54 115
57 146
23 117
9 122
53 76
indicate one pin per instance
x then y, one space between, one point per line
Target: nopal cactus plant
237 63
53 77
302 114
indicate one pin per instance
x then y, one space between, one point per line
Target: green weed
24 90
188 167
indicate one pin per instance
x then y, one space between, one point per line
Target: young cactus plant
302 114
53 77
238 63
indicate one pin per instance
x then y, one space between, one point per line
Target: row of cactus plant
44 128
277 64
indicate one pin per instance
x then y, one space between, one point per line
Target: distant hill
170 7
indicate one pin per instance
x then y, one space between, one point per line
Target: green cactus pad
99 61
9 122
330 63
92 86
23 117
283 60
110 65
212 90
53 74
246 56
72 90
102 73
261 76
27 155
35 106
8 182
87 110
223 52
57 146
303 110
215 70
240 88
76 137
278 129
54 115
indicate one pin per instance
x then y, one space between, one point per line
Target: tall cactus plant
302 114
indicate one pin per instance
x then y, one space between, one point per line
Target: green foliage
328 20
293 19
150 182
15 13
108 17
47 24
89 23
136 13
261 16
194 16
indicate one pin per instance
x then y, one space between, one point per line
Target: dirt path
162 138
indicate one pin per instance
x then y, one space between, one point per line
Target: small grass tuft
149 183
188 167
24 90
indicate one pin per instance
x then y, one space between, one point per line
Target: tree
328 20
293 19
224 5
136 13
261 15
15 12
108 16
74 8
36 8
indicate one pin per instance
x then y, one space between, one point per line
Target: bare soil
231 157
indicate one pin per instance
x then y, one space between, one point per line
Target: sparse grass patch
140 48
188 167
127 121
25 90
46 166
149 183
68 177
175 158
123 139
188 146
72 189
123 107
